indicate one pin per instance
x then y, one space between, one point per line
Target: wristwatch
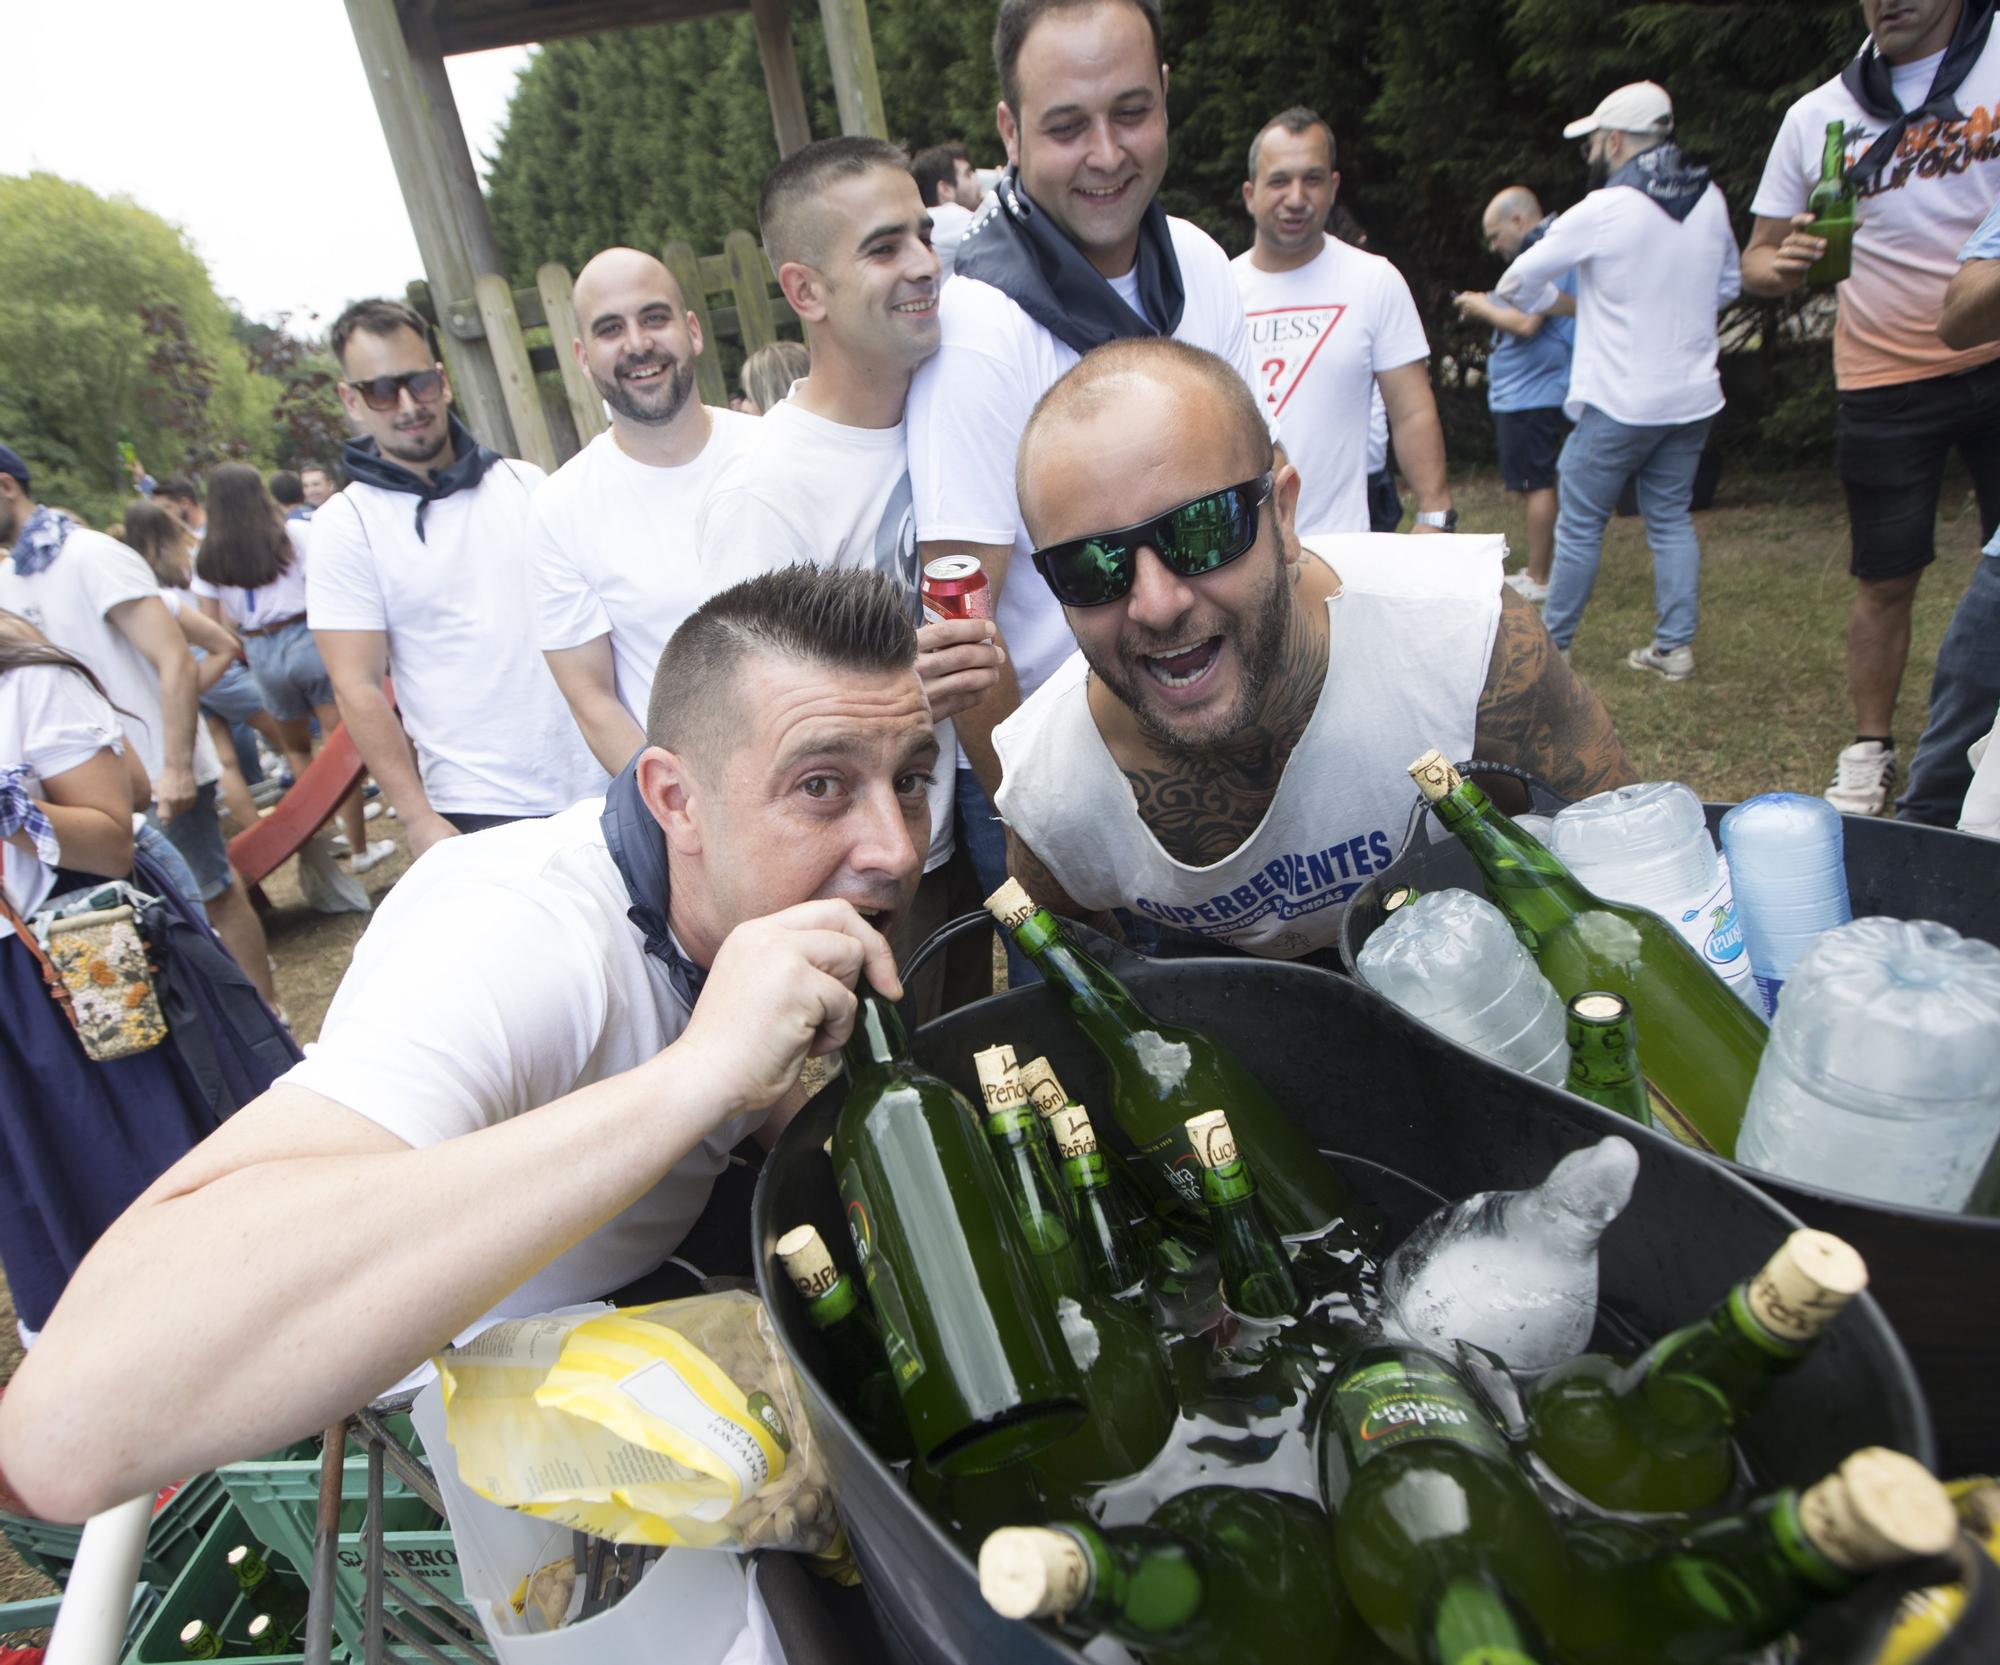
1444 520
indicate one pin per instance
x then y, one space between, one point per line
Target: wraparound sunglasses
1192 538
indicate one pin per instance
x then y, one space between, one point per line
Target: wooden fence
550 427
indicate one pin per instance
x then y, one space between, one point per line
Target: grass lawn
1767 708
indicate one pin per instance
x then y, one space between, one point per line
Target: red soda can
954 587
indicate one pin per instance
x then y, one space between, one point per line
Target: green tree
108 322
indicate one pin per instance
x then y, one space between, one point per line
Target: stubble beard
679 385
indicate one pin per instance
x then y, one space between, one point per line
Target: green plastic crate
178 1523
206 1589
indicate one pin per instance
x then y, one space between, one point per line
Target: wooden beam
851 50
440 192
586 404
681 260
466 27
772 19
753 300
517 376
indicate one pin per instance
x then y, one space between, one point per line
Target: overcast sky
247 124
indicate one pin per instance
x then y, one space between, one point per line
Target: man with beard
420 568
1655 261
1076 252
613 546
1228 754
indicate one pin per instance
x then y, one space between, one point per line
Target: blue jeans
983 836
1965 692
1599 456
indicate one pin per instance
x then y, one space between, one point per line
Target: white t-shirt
51 721
808 490
1409 643
499 975
492 732
283 598
1319 336
1910 222
1648 289
948 223
69 601
971 400
612 549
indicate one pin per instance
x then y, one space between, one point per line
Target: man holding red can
825 481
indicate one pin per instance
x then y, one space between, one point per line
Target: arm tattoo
1539 715
1046 889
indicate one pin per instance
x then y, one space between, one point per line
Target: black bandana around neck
1017 248
640 854
1867 77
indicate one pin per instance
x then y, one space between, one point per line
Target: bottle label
1174 1155
1398 1401
892 1313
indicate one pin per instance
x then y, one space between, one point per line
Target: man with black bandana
1076 252
420 568
551 1038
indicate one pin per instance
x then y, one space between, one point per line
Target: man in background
180 497
289 494
950 190
318 482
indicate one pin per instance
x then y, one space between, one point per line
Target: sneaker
370 810
339 842
378 850
1863 779
1527 588
1675 664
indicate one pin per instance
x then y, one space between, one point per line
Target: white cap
1642 107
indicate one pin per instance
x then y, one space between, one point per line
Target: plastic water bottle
1514 1272
1790 875
1650 846
1451 959
1882 1077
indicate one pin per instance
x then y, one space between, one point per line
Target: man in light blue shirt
1965 689
1527 380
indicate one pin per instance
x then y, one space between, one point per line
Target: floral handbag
97 969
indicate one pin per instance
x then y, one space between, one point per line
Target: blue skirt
78 1139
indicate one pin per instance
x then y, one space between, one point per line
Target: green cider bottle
856 1361
1163 1073
1429 1500
1257 1279
1112 1254
1702 1042
1730 1585
973 1345
267 1636
1218 1573
1653 1435
1604 1055
1128 1396
264 1591
199 1640
1833 203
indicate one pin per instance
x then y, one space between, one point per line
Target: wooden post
685 264
747 267
781 74
851 50
517 376
586 404
440 192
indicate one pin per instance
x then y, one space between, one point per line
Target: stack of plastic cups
1882 1078
1649 846
1789 869
1451 959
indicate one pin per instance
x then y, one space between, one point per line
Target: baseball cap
1641 107
11 463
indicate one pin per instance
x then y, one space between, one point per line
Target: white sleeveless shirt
1410 635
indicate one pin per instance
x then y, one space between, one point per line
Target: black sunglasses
1193 538
385 392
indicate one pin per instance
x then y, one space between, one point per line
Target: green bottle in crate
1257 1279
1111 1250
265 1591
860 1369
200 1640
266 1636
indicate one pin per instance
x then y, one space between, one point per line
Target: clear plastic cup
1648 845
1787 866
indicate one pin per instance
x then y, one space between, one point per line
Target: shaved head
1509 217
1147 373
1516 199
794 222
614 274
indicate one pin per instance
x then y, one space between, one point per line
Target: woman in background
769 372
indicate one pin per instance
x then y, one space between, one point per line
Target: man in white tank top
1227 754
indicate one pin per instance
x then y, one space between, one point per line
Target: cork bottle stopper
1009 904
1805 1284
1213 1143
1044 1091
1879 1508
1398 899
807 1262
1435 777
259 1627
237 1556
999 1080
1073 1132
1032 1572
191 1631
1600 1008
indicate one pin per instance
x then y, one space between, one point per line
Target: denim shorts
197 834
234 696
1530 441
289 673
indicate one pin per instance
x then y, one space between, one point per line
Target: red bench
256 852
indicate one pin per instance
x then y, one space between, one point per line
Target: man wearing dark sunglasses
420 568
1227 754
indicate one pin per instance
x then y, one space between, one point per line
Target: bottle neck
878 1038
1833 157
1473 1622
1107 1241
1146 1584
1716 1371
835 1304
1257 1278
1525 881
1767 1547
1097 1000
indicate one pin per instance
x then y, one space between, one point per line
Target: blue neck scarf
640 854
41 540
